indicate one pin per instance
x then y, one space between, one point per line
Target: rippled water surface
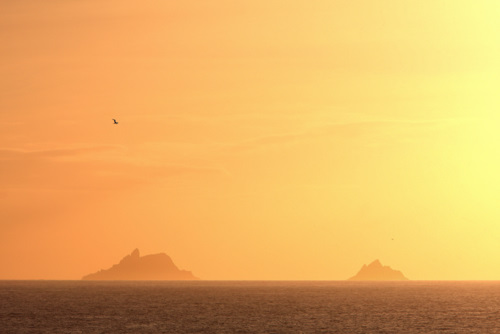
249 307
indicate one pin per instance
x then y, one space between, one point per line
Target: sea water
249 307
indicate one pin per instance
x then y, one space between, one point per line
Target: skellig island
375 271
148 267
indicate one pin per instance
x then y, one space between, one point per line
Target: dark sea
249 307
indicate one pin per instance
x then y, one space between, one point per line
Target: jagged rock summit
148 267
375 271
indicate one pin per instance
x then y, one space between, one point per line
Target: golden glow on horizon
260 140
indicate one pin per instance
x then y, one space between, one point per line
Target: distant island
148 267
375 271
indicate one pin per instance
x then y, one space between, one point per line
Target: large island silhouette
375 271
149 267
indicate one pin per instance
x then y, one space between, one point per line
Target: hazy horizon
258 140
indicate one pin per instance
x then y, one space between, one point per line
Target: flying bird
114 121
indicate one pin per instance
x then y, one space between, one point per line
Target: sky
264 139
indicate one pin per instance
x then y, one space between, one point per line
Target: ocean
249 307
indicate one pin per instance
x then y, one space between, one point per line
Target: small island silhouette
375 271
149 267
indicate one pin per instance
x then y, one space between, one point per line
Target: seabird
115 122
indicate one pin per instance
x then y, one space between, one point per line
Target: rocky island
375 271
148 267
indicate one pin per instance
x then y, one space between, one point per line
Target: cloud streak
49 169
358 129
13 154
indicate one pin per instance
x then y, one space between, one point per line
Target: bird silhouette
114 121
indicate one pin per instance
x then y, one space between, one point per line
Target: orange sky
262 139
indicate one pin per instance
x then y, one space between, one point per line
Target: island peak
375 271
149 267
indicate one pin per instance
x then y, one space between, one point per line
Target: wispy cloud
9 153
357 129
85 168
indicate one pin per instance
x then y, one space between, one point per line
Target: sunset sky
257 139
